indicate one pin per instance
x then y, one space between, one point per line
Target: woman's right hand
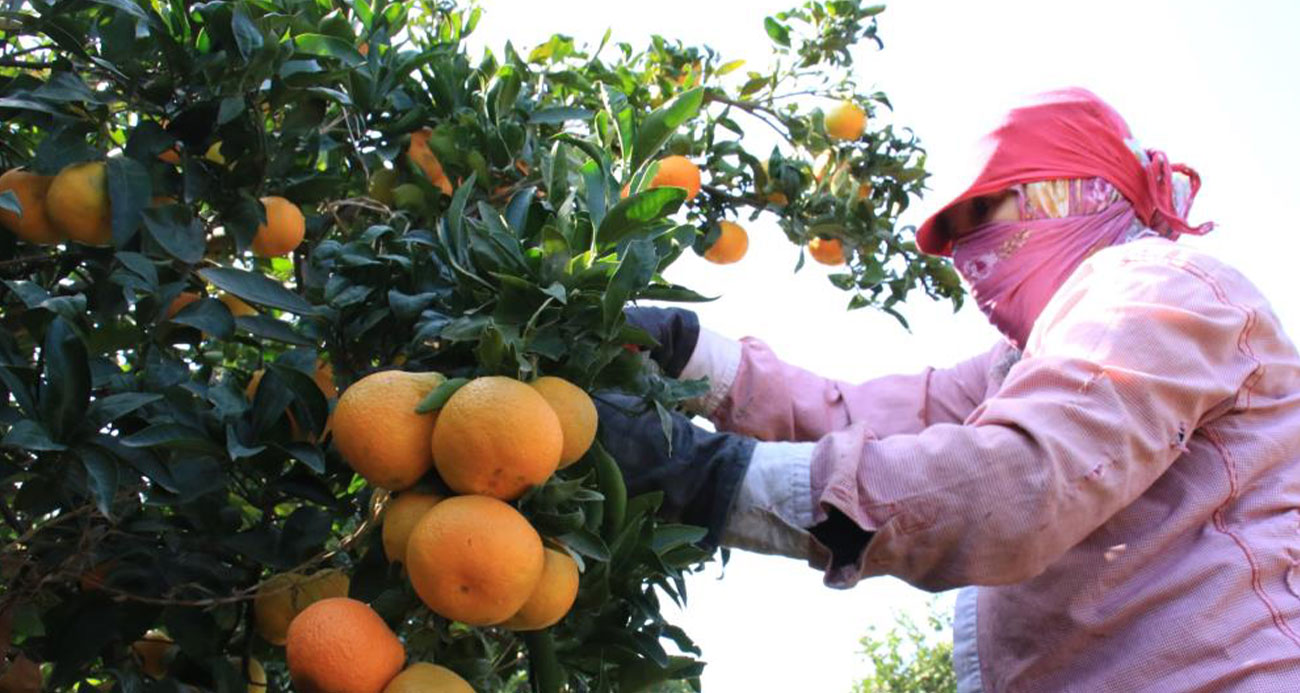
676 331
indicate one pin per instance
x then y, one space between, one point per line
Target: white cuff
716 358
774 508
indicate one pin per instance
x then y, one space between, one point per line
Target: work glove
676 330
700 473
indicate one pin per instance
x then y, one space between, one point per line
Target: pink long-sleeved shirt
1127 492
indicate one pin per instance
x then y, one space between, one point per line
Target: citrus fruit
378 432
400 517
171 156
283 229
553 596
576 412
408 197
341 645
731 245
423 677
828 251
777 199
846 121
77 203
382 182
182 299
323 376
34 225
422 156
676 171
474 559
254 675
496 437
236 305
282 597
24 676
152 652
273 607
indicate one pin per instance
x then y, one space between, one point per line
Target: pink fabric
1014 267
1128 494
1072 133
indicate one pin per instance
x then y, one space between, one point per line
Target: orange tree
218 215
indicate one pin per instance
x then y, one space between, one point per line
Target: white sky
1211 83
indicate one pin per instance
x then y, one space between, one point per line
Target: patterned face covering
1014 267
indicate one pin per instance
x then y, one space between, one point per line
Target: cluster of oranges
471 557
74 206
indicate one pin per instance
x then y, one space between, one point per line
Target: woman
1120 477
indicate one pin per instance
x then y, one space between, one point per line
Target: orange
94 578
576 412
237 306
400 517
474 559
378 432
846 121
496 437
341 645
828 251
777 199
182 299
77 203
420 153
423 677
254 675
553 596
34 225
678 172
171 156
153 653
283 230
24 676
730 246
864 191
282 597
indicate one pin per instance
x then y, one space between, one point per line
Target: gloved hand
701 476
675 329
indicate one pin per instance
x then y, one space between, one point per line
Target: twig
735 199
759 112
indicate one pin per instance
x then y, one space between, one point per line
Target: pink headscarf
1082 185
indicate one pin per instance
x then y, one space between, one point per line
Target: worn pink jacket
1128 491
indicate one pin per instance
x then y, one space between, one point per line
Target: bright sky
1211 83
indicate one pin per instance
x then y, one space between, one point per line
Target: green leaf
638 212
9 203
209 315
170 435
102 474
176 232
66 391
256 288
247 36
61 148
559 114
777 31
663 122
330 47
127 6
634 271
129 190
113 407
267 327
667 537
30 435
439 396
587 544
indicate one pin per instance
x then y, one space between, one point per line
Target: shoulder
1146 288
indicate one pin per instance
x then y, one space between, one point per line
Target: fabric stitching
1221 525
